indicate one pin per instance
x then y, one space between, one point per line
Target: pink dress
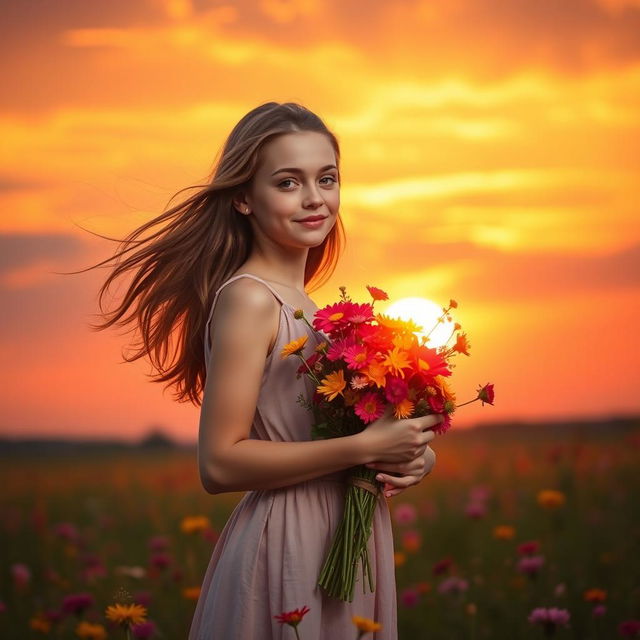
270 552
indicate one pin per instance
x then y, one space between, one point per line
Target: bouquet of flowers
368 363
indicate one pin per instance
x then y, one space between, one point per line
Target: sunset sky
490 153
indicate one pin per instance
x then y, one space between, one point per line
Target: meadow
512 520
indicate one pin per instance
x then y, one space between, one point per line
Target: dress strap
215 298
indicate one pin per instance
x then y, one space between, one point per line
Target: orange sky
490 153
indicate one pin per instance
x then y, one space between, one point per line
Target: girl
226 274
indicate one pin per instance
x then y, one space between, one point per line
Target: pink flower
476 510
629 628
410 597
442 565
143 630
21 575
158 543
160 560
453 585
77 603
396 390
369 407
530 565
560 589
143 598
479 493
404 513
67 531
550 618
598 611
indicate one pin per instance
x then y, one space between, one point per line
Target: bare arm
245 322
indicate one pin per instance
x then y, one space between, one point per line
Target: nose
313 198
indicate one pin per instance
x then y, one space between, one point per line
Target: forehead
307 150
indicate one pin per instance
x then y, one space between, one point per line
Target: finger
401 481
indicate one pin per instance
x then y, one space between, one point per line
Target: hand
410 473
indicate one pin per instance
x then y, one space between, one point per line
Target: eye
287 180
331 178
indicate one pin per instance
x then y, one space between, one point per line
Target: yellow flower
194 524
550 499
595 595
504 532
396 361
333 384
293 347
364 624
126 614
191 593
40 622
376 372
91 631
403 409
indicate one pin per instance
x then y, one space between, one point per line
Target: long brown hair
197 245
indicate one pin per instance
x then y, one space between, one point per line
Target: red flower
486 394
377 294
442 565
526 548
292 618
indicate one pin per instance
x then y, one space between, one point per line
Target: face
280 196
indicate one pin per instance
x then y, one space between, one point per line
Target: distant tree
157 438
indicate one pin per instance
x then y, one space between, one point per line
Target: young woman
226 273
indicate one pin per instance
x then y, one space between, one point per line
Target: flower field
517 533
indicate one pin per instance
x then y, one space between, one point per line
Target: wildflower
423 587
453 304
530 565
404 513
486 394
399 558
158 543
560 589
365 624
550 498
160 560
77 603
126 614
598 611
66 531
333 384
21 575
475 510
294 347
369 407
411 540
462 345
453 585
191 593
472 609
40 622
409 597
549 619
629 628
293 618
143 630
528 548
91 631
504 532
442 565
397 361
595 595
377 294
194 524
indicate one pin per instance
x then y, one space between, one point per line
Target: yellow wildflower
333 384
194 524
293 347
365 624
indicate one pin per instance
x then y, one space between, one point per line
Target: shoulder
245 307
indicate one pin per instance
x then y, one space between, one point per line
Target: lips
311 218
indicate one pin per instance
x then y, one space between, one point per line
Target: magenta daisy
396 389
369 407
357 356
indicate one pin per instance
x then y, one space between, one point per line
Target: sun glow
424 313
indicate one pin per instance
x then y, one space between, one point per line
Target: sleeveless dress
269 554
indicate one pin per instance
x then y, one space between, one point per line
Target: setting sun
424 313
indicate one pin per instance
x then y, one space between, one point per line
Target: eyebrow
296 170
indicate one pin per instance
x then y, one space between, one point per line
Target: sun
424 313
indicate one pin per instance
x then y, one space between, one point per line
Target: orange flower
472 609
365 624
40 622
504 532
399 558
377 294
90 631
191 593
403 409
462 344
293 347
453 304
126 614
376 372
396 360
333 384
194 524
550 499
595 595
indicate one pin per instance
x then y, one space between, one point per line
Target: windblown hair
197 245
